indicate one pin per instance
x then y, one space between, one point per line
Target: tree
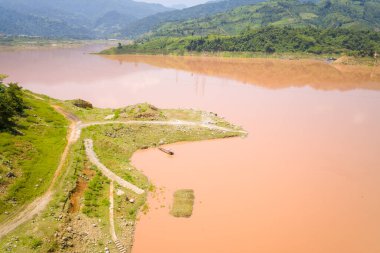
11 103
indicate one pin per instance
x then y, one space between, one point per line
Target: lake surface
305 180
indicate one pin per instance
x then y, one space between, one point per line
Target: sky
188 3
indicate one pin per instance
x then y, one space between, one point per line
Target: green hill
72 18
150 23
356 14
269 39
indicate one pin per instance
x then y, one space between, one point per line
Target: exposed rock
109 117
11 175
120 192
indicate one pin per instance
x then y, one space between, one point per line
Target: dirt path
119 246
39 204
107 172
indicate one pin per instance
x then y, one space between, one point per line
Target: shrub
82 104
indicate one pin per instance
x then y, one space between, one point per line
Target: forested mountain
96 17
127 18
150 23
356 14
14 23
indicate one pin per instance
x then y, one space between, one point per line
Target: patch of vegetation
127 210
95 196
82 104
183 202
142 111
265 40
11 104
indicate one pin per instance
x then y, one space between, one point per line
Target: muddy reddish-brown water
306 179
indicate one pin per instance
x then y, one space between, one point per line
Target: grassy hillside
150 23
29 155
268 40
356 14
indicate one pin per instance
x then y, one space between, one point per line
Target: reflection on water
307 178
270 73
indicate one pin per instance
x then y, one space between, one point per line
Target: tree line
289 39
268 40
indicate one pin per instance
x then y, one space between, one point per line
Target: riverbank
116 135
329 58
36 43
268 42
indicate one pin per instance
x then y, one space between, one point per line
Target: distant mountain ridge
355 14
15 23
96 18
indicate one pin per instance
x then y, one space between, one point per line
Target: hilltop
352 14
151 23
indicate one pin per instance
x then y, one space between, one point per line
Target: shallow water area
306 179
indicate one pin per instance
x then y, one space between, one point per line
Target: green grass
96 196
33 157
37 235
183 202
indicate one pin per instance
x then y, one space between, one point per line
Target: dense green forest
355 14
269 39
